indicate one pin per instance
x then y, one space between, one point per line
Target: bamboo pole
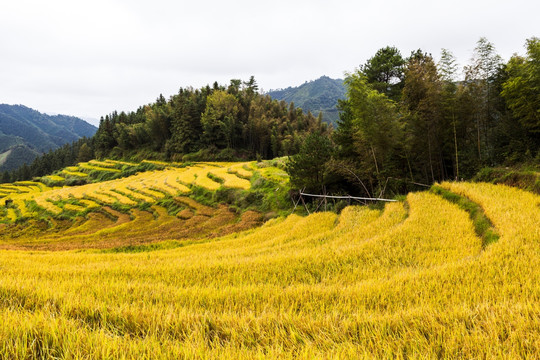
346 197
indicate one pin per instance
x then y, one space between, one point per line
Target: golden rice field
147 186
410 281
124 211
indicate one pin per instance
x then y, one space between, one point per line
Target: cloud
90 58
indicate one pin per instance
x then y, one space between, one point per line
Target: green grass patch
126 169
526 178
265 196
123 208
163 245
215 178
172 206
482 225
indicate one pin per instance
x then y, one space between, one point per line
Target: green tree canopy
385 71
374 119
219 119
522 89
307 169
422 99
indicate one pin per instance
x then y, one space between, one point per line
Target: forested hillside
411 121
317 96
219 122
25 134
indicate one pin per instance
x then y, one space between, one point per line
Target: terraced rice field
148 186
96 214
413 280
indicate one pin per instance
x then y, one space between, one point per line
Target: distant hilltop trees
218 122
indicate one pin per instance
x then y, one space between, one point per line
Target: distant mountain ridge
319 95
26 133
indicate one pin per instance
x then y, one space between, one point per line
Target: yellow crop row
157 180
20 202
134 194
514 212
55 178
42 201
230 180
149 192
170 187
117 162
172 181
11 215
9 188
72 207
105 164
104 198
241 170
206 182
90 167
190 174
33 186
74 173
62 193
155 162
121 198
89 203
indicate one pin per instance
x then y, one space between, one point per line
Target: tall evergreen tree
479 76
448 68
219 120
422 98
384 71
308 168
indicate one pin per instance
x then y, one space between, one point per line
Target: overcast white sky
88 58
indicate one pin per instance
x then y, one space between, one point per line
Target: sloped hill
34 133
17 155
116 203
319 95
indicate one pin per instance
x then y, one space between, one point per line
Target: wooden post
303 202
298 201
319 204
325 202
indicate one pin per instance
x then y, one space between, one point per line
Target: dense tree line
410 120
210 123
